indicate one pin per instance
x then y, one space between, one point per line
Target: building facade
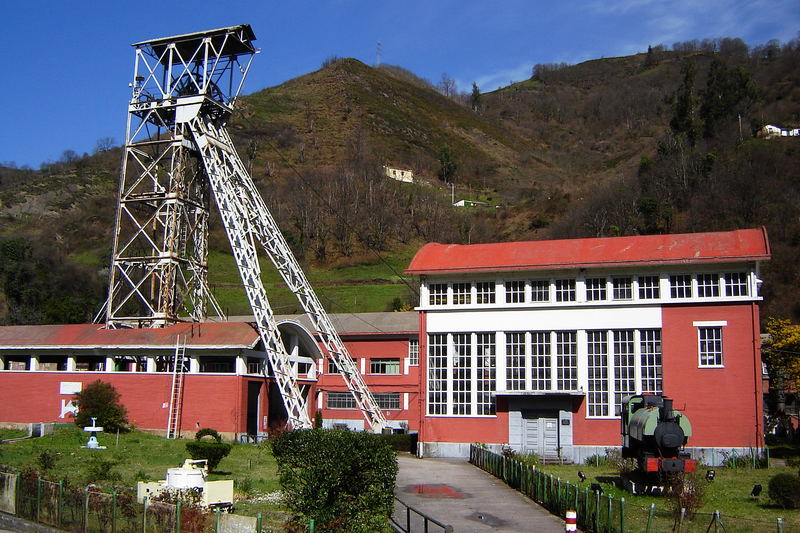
528 344
534 344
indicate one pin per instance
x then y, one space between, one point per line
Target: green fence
90 510
602 513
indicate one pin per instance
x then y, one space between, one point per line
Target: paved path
456 493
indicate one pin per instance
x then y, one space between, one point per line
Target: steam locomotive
654 434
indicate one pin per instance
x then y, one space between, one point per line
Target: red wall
724 405
365 347
209 400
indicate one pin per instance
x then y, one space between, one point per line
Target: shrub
100 400
212 451
401 442
686 491
343 480
621 464
46 461
596 460
784 489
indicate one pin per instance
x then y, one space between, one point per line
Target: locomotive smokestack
666 409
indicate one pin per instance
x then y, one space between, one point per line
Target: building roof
676 249
86 336
358 323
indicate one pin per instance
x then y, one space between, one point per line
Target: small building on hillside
470 203
534 344
770 132
399 173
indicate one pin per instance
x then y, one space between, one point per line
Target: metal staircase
176 393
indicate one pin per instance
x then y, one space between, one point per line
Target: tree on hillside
447 165
729 92
475 97
447 86
101 400
683 119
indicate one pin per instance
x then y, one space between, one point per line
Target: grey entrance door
540 436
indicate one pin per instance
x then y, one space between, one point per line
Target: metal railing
407 519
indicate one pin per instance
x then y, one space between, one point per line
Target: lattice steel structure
177 155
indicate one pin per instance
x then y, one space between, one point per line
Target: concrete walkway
454 492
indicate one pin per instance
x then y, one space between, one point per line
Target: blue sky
66 65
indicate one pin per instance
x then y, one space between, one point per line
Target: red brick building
527 344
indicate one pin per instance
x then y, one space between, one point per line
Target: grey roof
355 323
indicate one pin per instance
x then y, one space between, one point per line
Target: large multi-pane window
437 293
462 364
462 293
540 290
595 289
680 286
650 360
649 288
707 285
566 360
484 293
565 290
437 374
515 361
623 288
413 352
624 367
462 373
710 346
736 284
541 362
515 292
597 373
614 360
486 376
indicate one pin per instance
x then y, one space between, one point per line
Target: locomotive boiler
655 435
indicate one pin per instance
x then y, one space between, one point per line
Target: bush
342 480
212 451
596 460
784 489
686 491
621 464
100 400
46 461
401 442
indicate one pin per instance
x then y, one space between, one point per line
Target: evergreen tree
729 92
101 400
475 97
447 164
683 119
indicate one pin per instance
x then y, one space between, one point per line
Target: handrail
426 520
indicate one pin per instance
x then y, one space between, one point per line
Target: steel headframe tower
178 154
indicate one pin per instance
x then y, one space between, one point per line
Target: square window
707 285
387 400
462 293
540 291
710 346
736 284
437 293
565 290
595 289
649 288
484 292
680 286
623 288
384 366
515 292
340 400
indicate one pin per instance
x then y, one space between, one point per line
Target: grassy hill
575 151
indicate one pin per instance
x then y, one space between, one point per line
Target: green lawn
140 456
6 433
729 493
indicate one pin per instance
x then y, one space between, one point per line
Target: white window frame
648 290
462 293
413 352
565 290
485 292
703 353
622 288
515 291
437 294
541 287
596 289
708 285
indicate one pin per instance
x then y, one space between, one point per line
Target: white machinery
178 154
191 476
